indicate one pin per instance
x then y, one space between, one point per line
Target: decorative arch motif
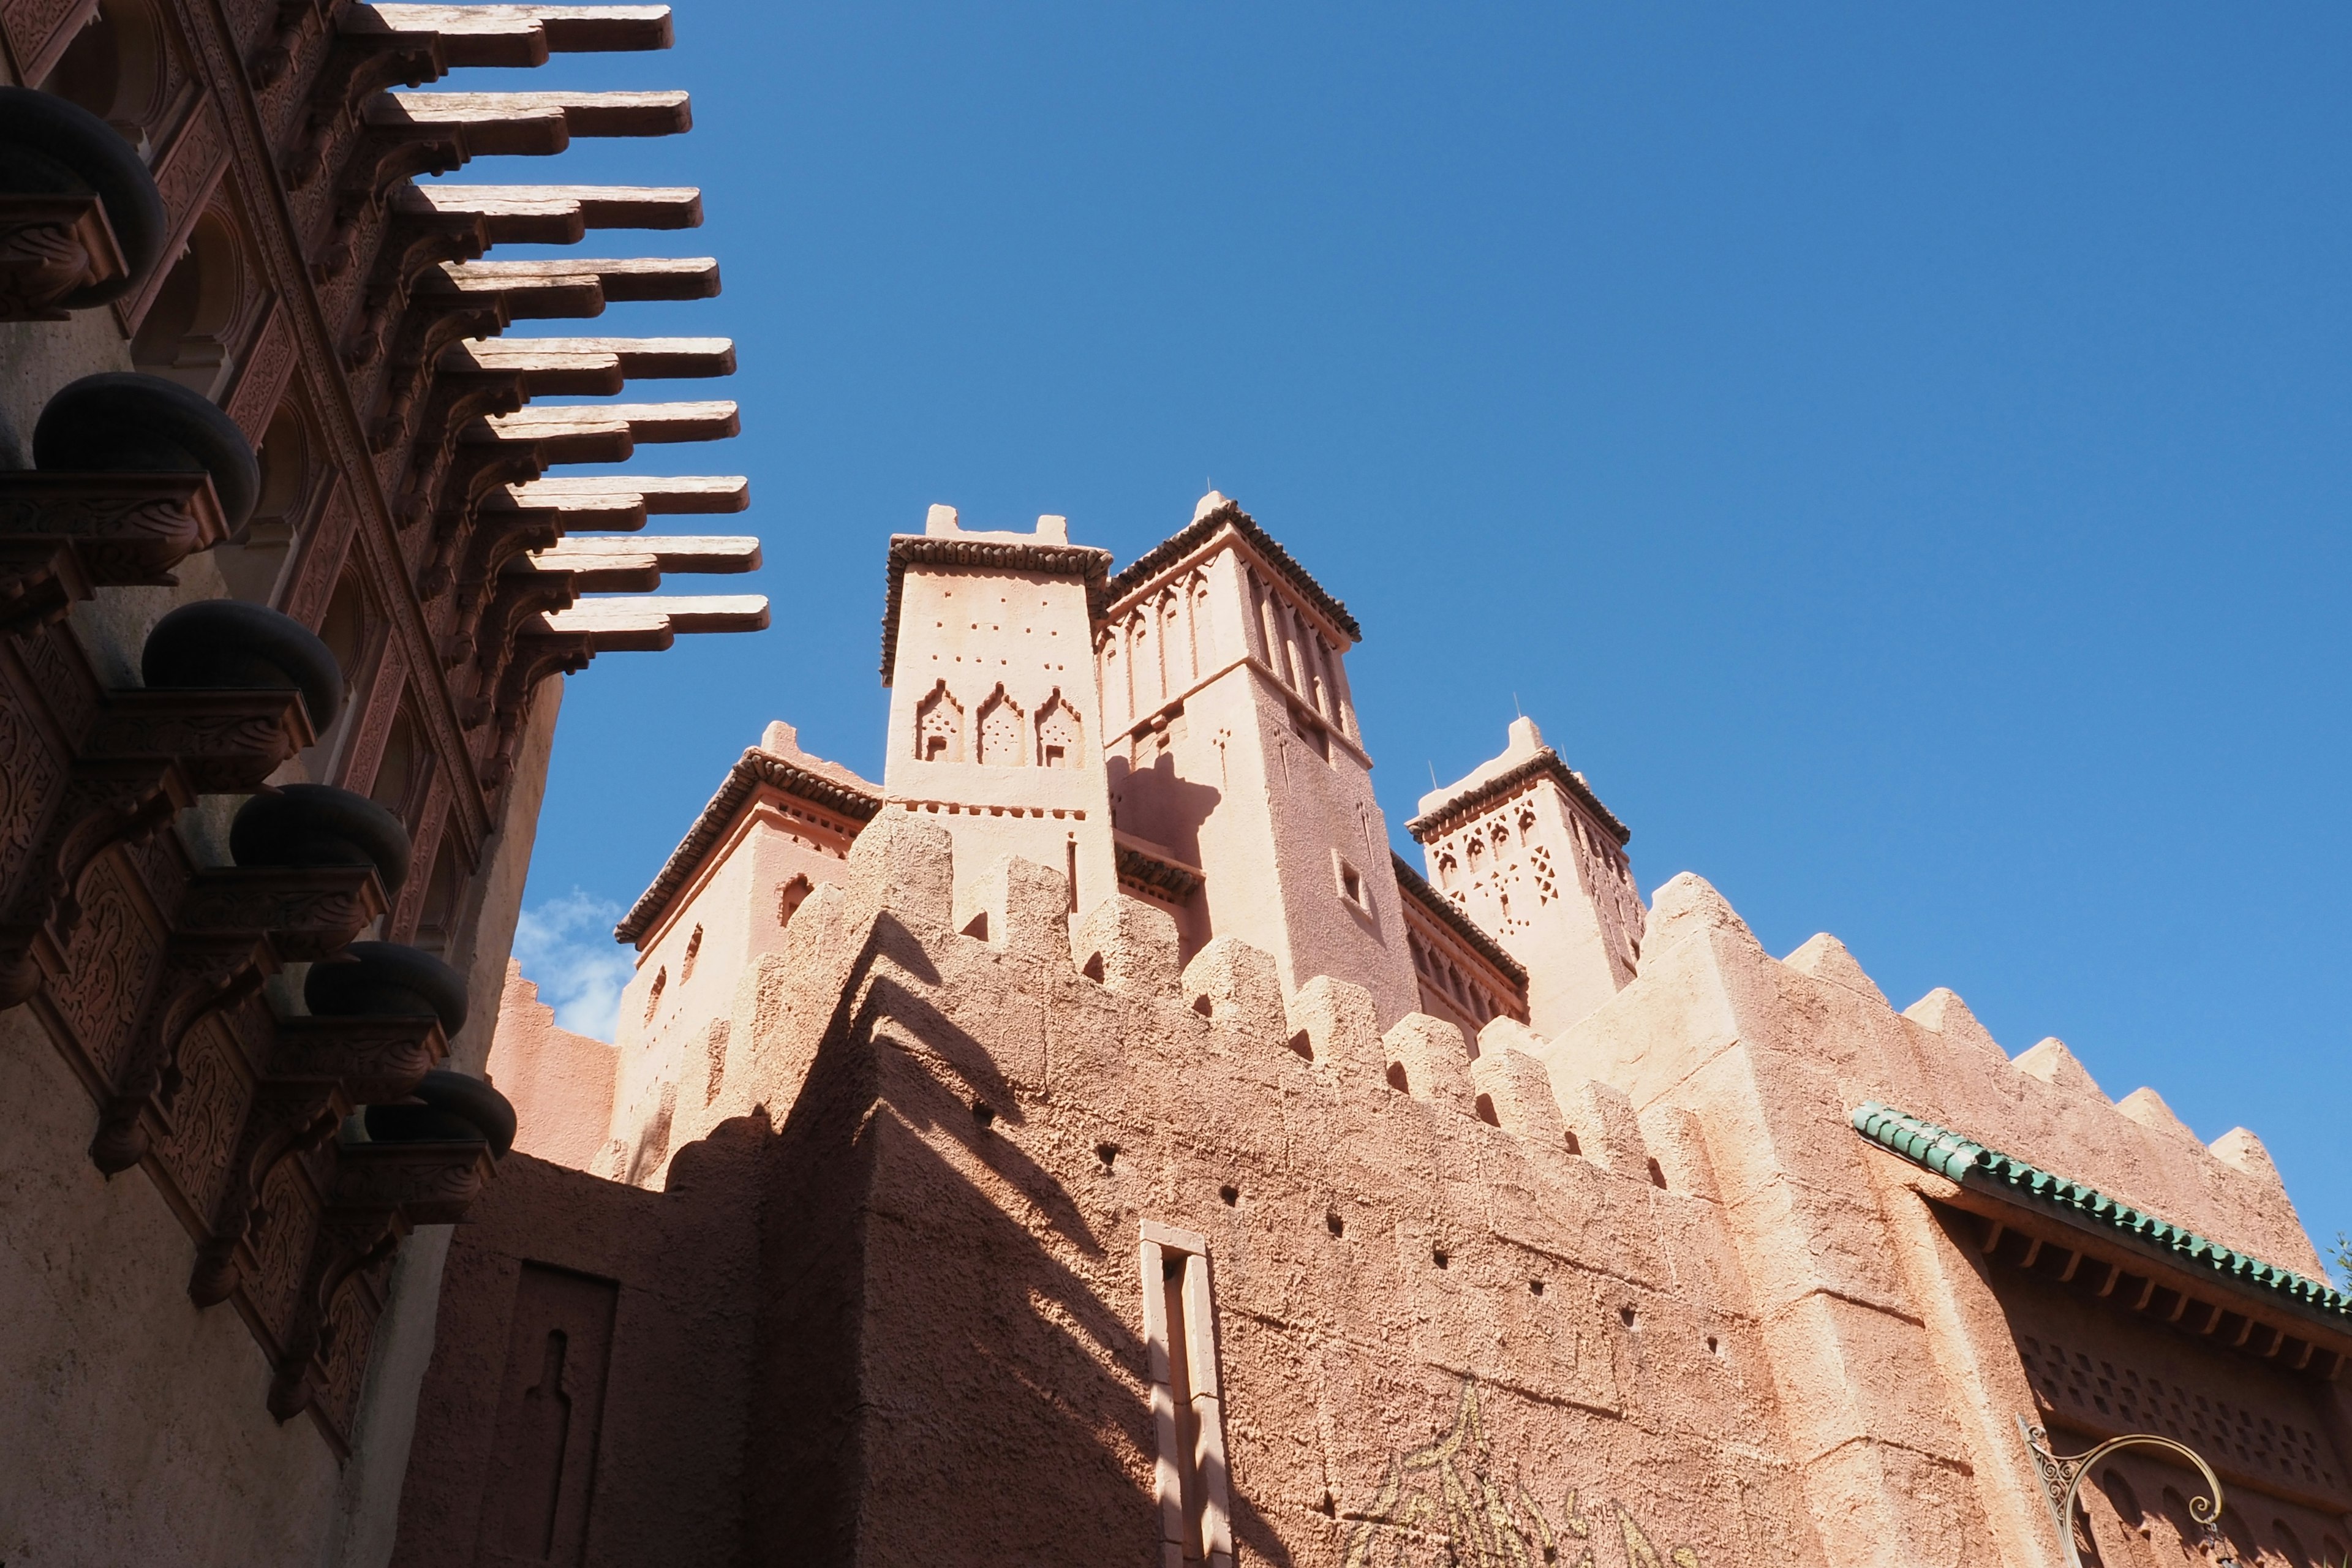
1061 735
939 727
191 323
1001 739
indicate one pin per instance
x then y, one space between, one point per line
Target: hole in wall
1333 1223
1328 1508
977 926
1625 1316
1106 1153
1714 1345
1573 1146
1535 1287
1093 969
1439 1256
1201 1005
982 1113
1229 1194
1396 1077
1486 1111
1657 1176
1299 1043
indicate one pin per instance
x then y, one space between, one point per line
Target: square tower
1524 848
1231 747
994 728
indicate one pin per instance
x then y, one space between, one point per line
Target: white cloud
567 948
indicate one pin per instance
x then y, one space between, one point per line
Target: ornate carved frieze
63 535
377 1194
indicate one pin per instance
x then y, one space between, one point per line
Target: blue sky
1899 455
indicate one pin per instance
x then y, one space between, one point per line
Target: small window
693 948
1351 882
653 998
1181 1333
789 902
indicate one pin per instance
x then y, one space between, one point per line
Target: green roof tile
1963 1160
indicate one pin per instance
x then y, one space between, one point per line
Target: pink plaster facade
1194 1225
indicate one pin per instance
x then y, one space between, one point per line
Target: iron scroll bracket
2061 1482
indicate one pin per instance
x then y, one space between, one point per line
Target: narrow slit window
1187 1410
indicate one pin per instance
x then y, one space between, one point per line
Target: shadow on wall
880 1332
1152 803
934 1303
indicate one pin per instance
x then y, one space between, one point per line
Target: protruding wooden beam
707 553
663 113
548 290
615 502
554 215
520 34
632 357
649 621
533 132
589 432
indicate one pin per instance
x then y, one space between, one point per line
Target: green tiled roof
1963 1160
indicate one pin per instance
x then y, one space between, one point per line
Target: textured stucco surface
133 1424
907 1224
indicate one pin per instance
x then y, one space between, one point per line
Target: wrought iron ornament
2061 1480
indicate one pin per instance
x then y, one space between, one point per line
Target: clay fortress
1088 1145
1091 1142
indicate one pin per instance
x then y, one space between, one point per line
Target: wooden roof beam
648 622
633 358
603 432
520 34
619 502
480 115
550 290
554 215
710 554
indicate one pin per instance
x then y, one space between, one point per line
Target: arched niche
253 559
119 68
187 330
350 630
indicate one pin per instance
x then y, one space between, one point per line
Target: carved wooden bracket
67 534
51 246
234 929
318 1072
145 758
378 1193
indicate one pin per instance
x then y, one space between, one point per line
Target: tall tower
1233 749
1524 848
994 729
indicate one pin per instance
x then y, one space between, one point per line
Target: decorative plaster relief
1444 1505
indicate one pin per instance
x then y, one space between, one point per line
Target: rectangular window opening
1179 1328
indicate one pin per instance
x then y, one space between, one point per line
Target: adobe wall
675 1009
133 1424
1226 777
644 1323
1759 1338
1859 1281
950 1356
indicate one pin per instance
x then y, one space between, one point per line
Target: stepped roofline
1525 758
943 543
1215 513
778 762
